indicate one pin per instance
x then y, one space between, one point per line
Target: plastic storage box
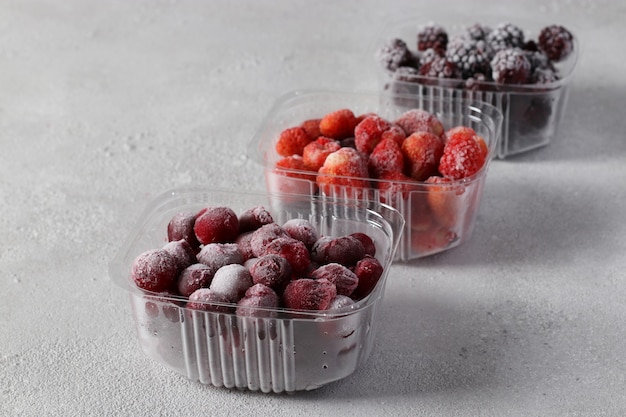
427 231
532 112
286 352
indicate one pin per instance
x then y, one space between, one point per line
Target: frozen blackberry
429 55
470 56
505 35
510 66
557 42
432 36
394 54
477 32
440 68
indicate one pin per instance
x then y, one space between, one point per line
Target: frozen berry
344 279
271 270
432 36
470 56
445 200
231 281
385 158
396 133
477 32
216 255
368 271
302 230
205 299
316 152
245 247
346 167
253 218
510 66
338 124
293 167
154 270
291 249
309 294
394 187
432 240
216 224
258 301
312 128
394 54
430 55
366 241
422 151
463 156
505 36
181 227
345 250
556 41
182 253
264 235
368 133
194 277
440 67
292 141
419 120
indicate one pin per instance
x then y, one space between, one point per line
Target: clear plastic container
532 112
284 351
428 229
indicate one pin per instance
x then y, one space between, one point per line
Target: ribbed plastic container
438 216
532 113
283 351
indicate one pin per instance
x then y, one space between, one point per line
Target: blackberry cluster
394 54
510 66
432 36
470 56
505 35
556 41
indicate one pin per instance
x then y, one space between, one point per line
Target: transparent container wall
438 217
283 352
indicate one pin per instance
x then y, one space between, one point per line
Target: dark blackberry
510 66
429 55
477 32
505 35
394 54
557 42
470 56
440 68
432 36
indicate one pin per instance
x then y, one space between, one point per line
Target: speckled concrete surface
104 105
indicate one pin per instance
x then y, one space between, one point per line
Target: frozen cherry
345 250
271 270
368 271
216 225
258 301
154 270
293 250
344 279
309 294
216 255
205 299
261 237
366 241
181 227
253 218
194 277
245 247
182 252
231 281
302 230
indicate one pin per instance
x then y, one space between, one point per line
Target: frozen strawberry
205 299
369 132
293 166
316 152
291 249
216 224
253 218
271 270
419 120
194 277
345 250
181 227
264 235
367 242
338 124
446 200
432 240
182 252
231 281
396 133
302 230
312 128
292 141
155 270
422 152
216 255
386 157
258 301
463 155
368 271
309 294
344 279
346 167
395 187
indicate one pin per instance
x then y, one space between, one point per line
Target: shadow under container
531 113
281 350
438 216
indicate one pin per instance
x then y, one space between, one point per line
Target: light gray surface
104 105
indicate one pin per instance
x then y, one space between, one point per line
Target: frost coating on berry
263 236
368 133
470 56
216 255
253 218
394 54
181 227
256 302
510 66
216 225
309 294
203 299
302 230
154 270
271 270
432 35
194 277
368 271
344 279
182 252
231 281
419 120
293 250
557 42
505 35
